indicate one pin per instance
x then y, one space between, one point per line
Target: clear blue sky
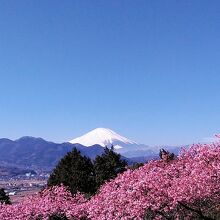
150 70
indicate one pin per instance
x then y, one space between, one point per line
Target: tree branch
199 212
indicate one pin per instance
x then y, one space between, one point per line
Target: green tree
58 216
76 172
4 198
136 166
108 165
166 155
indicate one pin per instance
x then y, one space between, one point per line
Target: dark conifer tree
136 166
166 155
4 198
76 172
108 165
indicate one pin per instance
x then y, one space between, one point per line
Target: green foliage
76 172
80 174
4 198
108 165
166 155
58 216
136 166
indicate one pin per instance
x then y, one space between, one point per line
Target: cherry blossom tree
187 187
55 200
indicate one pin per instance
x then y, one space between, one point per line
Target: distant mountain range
124 146
37 153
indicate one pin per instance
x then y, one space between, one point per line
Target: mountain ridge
124 146
37 153
32 152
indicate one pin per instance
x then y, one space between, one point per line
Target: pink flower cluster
190 182
55 200
161 187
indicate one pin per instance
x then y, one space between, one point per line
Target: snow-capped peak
103 137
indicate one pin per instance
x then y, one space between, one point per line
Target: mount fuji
103 137
124 146
37 153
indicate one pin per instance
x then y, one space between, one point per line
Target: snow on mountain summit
122 145
103 137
